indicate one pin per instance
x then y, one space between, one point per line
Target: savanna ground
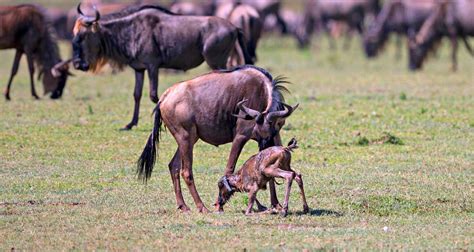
386 154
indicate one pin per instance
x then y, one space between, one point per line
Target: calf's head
86 43
267 124
227 188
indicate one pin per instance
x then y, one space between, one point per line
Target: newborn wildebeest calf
271 163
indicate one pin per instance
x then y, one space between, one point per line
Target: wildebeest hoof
184 208
204 210
7 97
284 213
128 127
154 99
305 209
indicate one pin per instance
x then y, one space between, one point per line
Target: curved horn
55 71
97 14
282 113
79 10
250 114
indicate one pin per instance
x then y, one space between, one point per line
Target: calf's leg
299 181
273 171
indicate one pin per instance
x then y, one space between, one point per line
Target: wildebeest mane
133 9
278 85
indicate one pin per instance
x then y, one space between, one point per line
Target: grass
386 154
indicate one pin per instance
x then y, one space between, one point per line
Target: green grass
379 147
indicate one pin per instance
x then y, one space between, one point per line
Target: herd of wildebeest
236 101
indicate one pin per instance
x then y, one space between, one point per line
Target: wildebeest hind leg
153 76
16 63
186 139
137 95
31 68
175 167
217 50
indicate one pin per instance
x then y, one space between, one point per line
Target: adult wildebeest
257 171
450 18
246 18
318 13
26 29
403 17
147 38
213 108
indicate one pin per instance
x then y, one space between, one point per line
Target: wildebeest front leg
31 68
237 146
175 167
299 181
16 63
137 95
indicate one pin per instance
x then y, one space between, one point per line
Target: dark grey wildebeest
147 38
453 19
220 107
403 17
318 14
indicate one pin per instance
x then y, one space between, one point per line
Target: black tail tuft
292 144
243 45
146 162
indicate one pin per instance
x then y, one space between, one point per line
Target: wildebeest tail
292 145
243 45
146 162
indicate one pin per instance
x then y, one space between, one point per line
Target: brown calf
271 163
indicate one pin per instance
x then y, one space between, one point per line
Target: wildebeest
450 18
246 18
257 171
403 17
318 14
147 38
220 107
26 29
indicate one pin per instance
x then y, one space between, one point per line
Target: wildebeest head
267 124
374 39
86 43
54 81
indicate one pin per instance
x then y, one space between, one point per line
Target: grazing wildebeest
403 17
147 38
318 13
257 171
450 18
213 108
246 18
26 29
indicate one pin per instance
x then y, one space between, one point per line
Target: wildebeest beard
265 143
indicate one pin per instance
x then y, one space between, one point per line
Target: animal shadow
320 212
